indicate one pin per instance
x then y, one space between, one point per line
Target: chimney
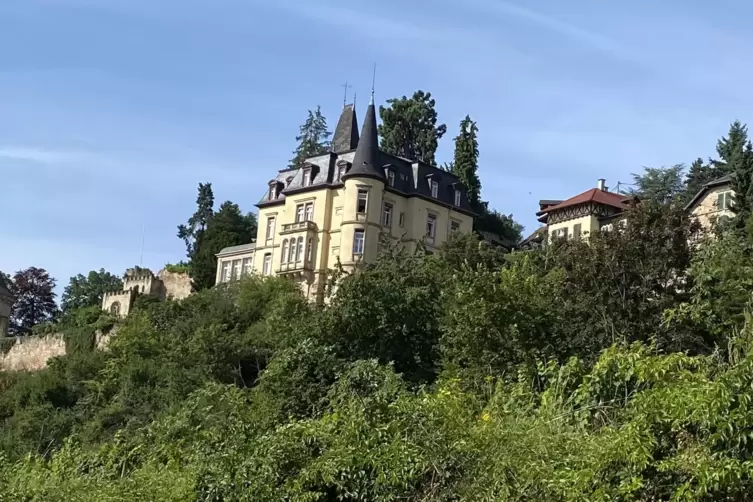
600 184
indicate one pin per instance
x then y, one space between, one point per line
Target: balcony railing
298 226
295 266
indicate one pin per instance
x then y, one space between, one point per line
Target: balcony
298 269
299 226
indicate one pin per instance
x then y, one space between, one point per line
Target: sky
112 111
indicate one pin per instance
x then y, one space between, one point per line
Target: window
267 264
236 270
576 231
306 177
457 197
340 172
431 226
363 197
273 191
284 253
724 200
226 271
309 213
454 226
309 250
299 213
291 251
270 228
434 189
358 242
247 264
391 177
387 215
401 220
115 308
559 233
299 250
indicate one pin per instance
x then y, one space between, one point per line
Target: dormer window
457 197
307 177
274 190
342 167
434 189
391 177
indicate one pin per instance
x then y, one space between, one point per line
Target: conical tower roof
346 132
366 161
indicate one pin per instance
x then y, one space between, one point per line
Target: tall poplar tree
409 127
465 163
313 138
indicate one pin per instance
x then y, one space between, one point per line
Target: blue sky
114 110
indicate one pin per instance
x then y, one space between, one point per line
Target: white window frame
308 212
454 226
401 220
300 211
434 189
307 177
726 197
431 226
340 173
267 267
271 223
365 193
247 267
387 214
227 271
284 252
299 249
457 197
237 270
391 177
359 250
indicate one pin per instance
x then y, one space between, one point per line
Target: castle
141 281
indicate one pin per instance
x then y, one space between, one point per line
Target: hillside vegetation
615 370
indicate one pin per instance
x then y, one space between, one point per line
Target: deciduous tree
35 304
659 184
409 127
87 291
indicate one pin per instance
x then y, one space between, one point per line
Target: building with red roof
592 210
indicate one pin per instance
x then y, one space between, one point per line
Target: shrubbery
611 370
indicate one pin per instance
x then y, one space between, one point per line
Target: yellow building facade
339 206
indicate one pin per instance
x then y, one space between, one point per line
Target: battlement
136 278
124 292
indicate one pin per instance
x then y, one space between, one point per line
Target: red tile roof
619 201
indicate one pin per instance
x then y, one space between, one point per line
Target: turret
364 189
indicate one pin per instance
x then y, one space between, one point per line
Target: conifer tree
731 147
741 170
698 175
409 127
465 163
313 138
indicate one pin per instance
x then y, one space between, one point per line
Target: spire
366 161
346 132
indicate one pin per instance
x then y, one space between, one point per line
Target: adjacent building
337 208
712 203
141 281
6 302
593 210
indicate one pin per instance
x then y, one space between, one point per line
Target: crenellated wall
119 302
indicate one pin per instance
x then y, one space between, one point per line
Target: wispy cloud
41 155
586 37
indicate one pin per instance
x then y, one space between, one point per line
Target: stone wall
31 353
175 286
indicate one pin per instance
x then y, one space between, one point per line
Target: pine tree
197 223
465 163
698 175
659 184
409 127
731 147
741 166
313 139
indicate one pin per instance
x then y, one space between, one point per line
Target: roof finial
354 100
345 96
373 84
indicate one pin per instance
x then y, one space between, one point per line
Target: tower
364 190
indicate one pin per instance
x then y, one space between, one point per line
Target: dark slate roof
724 180
366 162
238 249
346 132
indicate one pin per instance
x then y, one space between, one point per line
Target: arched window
284 251
309 250
291 251
299 250
115 308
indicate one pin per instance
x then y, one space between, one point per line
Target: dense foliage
616 369
87 291
34 299
312 139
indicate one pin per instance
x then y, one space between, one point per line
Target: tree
227 227
5 280
741 166
409 127
87 291
465 163
698 175
660 184
731 147
503 225
313 138
35 300
192 232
